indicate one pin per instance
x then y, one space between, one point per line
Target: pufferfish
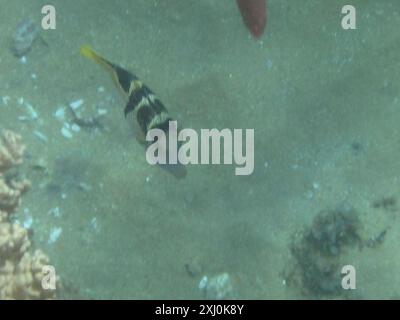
143 110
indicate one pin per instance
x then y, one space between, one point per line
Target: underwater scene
199 149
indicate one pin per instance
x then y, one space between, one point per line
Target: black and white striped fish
143 110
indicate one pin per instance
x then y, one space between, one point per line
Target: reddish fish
254 13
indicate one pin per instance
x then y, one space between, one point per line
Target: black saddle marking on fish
124 77
143 109
136 96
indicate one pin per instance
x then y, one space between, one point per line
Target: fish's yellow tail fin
87 52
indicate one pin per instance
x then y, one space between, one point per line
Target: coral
11 150
10 194
21 271
219 287
11 154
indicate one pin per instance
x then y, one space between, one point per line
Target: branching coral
10 194
11 153
20 270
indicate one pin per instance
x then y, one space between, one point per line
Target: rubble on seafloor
218 287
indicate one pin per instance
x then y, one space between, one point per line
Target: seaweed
333 230
316 251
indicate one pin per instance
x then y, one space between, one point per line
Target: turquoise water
324 103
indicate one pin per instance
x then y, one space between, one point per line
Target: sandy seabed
324 103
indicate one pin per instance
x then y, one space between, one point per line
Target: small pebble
309 194
85 187
32 112
40 136
5 99
23 118
40 164
315 185
76 104
28 222
55 212
66 133
60 114
75 127
203 283
219 287
55 233
102 112
94 224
